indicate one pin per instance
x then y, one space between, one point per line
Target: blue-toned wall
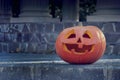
40 37
23 45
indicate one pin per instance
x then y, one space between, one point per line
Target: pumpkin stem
80 24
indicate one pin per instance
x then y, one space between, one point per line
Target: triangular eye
87 34
71 36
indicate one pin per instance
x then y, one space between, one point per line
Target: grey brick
49 27
112 37
23 47
50 48
0 47
58 27
97 24
109 49
114 73
26 28
1 37
34 38
68 24
54 73
41 48
15 28
33 27
72 73
36 48
89 74
4 47
108 27
15 73
39 36
118 41
43 39
31 48
51 37
116 50
10 37
13 47
19 37
117 24
37 71
4 28
26 37
40 28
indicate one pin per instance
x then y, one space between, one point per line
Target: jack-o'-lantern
81 45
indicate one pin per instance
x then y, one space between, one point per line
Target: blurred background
28 31
59 10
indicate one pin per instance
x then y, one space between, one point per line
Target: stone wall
40 37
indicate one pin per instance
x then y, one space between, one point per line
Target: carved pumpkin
81 45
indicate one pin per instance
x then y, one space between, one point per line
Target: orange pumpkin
81 45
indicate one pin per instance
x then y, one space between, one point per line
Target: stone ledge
104 69
101 62
53 59
33 19
105 18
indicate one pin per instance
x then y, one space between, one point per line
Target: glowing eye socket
72 36
87 34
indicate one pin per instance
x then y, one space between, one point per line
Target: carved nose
79 40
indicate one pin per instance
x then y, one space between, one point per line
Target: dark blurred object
15 8
87 7
55 8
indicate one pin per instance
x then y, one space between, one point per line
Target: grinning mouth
85 48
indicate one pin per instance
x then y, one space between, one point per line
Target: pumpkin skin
80 45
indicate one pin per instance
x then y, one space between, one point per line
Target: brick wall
40 37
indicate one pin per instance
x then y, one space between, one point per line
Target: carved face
77 46
80 44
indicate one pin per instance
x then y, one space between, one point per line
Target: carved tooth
80 45
86 51
73 50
